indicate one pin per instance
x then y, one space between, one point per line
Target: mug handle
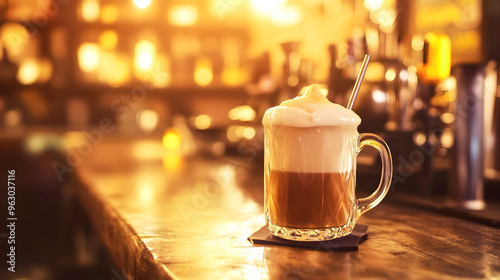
367 203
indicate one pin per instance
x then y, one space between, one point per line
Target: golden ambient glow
141 4
183 15
447 139
231 134
160 76
144 55
447 118
390 74
242 113
233 75
203 74
28 72
245 132
373 5
172 140
386 19
249 132
109 13
108 39
146 194
202 122
90 10
267 5
419 138
450 85
287 15
375 72
321 88
114 69
148 120
88 57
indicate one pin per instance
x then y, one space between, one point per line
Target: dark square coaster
346 243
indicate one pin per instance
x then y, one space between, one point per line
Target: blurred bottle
466 186
492 123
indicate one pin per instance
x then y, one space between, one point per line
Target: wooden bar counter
165 216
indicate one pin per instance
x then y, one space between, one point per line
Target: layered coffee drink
310 163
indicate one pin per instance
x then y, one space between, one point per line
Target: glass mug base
310 234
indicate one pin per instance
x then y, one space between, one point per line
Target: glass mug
310 178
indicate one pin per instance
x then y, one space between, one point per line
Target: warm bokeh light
202 122
412 74
108 39
173 162
203 74
88 57
417 42
242 113
245 132
109 13
90 10
144 55
172 140
390 74
288 15
379 96
114 69
147 150
386 19
240 131
148 120
267 5
218 148
28 72
141 4
372 5
14 38
37 143
183 15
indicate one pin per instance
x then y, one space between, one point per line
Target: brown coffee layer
309 200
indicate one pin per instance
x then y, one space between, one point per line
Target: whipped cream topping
310 110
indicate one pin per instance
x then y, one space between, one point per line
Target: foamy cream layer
325 149
311 110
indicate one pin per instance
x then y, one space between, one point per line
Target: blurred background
197 76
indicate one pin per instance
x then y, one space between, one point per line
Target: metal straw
357 85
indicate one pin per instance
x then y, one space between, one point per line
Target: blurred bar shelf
177 92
